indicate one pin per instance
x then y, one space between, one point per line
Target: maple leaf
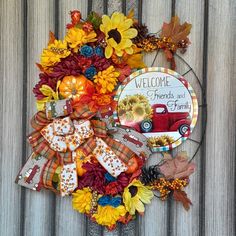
174 36
175 31
177 167
182 197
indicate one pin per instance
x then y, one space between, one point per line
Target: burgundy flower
100 63
83 62
94 177
67 66
47 80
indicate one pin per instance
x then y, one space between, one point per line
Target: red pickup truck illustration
164 121
133 140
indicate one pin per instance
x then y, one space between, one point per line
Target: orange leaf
51 37
175 31
181 196
131 14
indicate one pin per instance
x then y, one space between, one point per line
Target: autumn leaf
175 31
51 38
131 14
178 167
182 197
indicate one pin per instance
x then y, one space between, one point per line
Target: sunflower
132 100
82 200
135 194
121 111
118 34
141 98
138 112
77 37
109 215
54 52
129 116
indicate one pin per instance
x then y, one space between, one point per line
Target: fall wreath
75 146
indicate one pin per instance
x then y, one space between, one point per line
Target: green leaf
94 19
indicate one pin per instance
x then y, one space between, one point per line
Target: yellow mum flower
106 80
118 34
135 194
82 200
49 96
77 37
108 215
54 52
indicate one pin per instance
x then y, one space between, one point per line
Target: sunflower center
115 34
133 190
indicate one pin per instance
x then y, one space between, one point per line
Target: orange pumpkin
132 165
75 86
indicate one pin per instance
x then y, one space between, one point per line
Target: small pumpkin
75 86
132 165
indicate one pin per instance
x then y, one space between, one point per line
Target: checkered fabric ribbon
48 173
122 151
56 158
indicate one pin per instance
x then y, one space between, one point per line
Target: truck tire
183 129
146 126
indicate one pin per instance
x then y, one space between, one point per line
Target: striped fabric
39 120
47 176
82 112
64 157
40 145
99 128
88 146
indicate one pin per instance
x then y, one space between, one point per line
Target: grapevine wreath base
76 146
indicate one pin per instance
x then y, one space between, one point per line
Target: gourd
132 165
75 86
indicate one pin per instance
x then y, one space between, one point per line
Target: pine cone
150 174
142 32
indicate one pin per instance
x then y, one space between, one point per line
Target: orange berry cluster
165 186
152 43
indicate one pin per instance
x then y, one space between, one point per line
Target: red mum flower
112 188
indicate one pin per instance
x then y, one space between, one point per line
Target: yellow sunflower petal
107 23
129 50
126 25
145 195
125 43
116 18
108 51
140 207
130 33
119 53
112 42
